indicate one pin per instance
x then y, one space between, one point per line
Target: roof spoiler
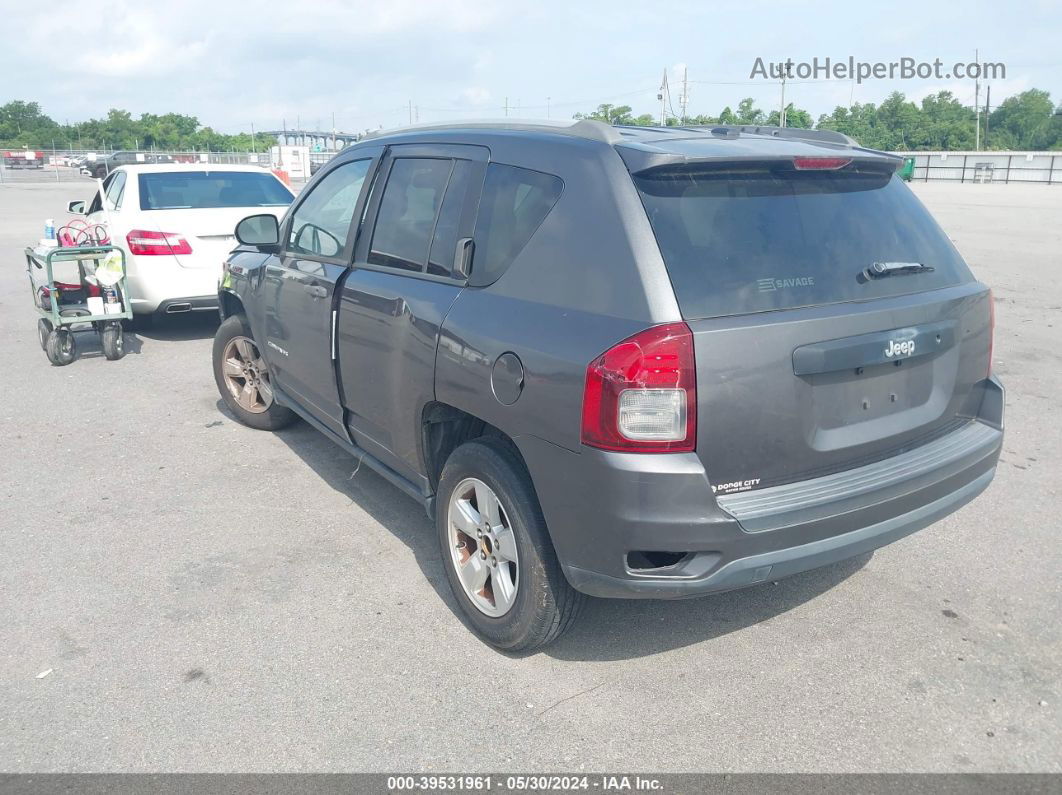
795 133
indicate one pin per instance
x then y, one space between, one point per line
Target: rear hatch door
834 323
204 207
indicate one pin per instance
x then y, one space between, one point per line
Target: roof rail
799 133
584 128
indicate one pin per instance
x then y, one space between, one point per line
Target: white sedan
175 223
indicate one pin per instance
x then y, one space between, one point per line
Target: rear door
299 289
808 362
402 285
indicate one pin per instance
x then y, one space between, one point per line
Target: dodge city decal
737 485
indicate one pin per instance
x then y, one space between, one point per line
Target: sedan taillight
641 394
147 242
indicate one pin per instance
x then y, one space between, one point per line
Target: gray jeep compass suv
623 362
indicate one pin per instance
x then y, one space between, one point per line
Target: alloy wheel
247 375
483 547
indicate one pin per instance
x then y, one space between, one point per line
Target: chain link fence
20 165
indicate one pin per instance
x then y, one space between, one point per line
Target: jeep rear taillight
147 242
641 394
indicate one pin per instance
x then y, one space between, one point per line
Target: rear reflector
641 394
820 163
147 242
991 330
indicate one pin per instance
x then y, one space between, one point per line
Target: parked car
23 158
175 223
623 362
104 166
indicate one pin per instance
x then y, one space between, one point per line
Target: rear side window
169 190
408 209
514 203
770 238
444 242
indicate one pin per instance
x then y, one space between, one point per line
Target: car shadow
180 327
608 629
90 346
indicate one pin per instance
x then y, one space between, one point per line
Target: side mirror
77 208
261 231
466 247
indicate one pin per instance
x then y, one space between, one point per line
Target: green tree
748 113
1026 121
610 114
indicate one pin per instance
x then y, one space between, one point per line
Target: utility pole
547 107
786 67
662 96
507 106
977 103
685 98
253 148
410 111
988 110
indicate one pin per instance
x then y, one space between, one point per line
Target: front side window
321 224
408 210
97 200
116 190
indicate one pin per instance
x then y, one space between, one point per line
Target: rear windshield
170 190
762 239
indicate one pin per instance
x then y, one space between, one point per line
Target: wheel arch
444 428
229 304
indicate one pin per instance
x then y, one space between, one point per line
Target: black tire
61 347
275 416
545 605
112 341
44 328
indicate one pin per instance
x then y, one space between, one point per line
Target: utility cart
98 298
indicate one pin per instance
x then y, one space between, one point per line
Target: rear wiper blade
879 270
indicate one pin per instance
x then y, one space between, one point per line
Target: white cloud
475 95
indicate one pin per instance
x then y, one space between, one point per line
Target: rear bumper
197 303
665 503
158 283
743 572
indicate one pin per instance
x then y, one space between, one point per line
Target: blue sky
234 64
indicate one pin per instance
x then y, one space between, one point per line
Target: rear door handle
316 290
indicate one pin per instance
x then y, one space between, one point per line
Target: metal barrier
21 165
1044 168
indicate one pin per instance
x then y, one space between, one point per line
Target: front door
300 282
